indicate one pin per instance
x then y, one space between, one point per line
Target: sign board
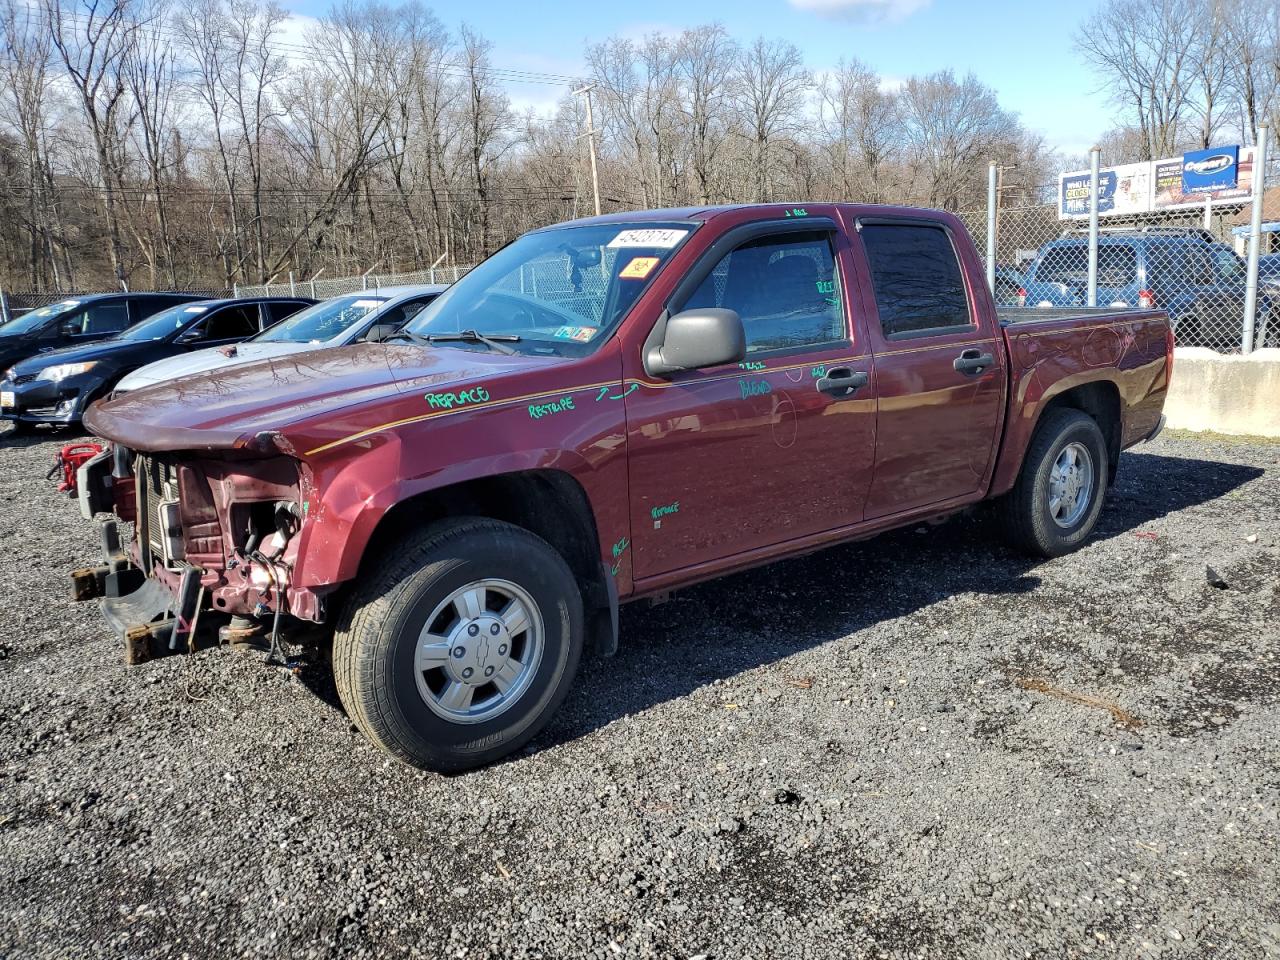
1135 188
1122 191
1170 192
1204 171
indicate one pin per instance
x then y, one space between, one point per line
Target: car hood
82 353
200 361
224 408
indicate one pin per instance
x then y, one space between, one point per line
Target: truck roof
714 210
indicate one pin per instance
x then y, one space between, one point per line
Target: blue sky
1022 49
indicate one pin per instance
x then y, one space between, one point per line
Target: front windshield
164 323
321 321
561 291
36 318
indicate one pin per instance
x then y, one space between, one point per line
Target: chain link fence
1190 261
320 288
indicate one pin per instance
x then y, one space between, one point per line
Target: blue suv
1199 282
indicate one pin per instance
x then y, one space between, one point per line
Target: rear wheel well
548 503
1101 401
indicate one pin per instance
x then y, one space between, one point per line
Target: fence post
1095 156
235 289
313 288
455 273
4 307
293 290
1255 239
364 281
991 227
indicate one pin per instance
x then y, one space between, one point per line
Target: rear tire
1054 506
437 606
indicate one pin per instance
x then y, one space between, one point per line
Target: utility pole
591 141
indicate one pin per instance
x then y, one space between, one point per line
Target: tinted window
1200 268
230 323
916 277
1166 263
104 318
36 318
785 288
146 306
400 314
324 320
1069 263
281 309
1230 266
165 323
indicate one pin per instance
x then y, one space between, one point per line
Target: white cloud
862 11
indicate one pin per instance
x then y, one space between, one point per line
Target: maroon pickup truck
605 410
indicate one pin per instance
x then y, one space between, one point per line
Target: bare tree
703 62
92 38
858 123
25 50
149 67
487 119
1145 51
772 83
950 127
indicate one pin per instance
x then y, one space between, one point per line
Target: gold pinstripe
528 397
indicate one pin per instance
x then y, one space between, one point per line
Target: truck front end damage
213 540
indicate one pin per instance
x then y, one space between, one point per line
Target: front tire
1054 506
459 644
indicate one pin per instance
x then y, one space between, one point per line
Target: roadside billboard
1176 183
1204 171
1170 191
1122 191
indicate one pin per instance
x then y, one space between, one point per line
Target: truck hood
214 410
213 358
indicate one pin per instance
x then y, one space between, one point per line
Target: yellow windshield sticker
638 268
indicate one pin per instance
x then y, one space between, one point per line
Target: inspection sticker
660 238
581 334
638 268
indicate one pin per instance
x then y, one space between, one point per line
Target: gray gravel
830 757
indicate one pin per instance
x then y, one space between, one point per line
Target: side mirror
706 337
194 335
69 328
380 331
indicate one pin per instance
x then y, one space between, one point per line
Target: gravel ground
921 746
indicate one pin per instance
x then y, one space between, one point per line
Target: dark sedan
76 321
56 386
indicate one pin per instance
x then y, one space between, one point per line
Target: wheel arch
1099 398
549 503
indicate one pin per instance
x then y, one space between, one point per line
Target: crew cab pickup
605 410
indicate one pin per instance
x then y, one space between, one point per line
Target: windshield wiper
408 335
497 341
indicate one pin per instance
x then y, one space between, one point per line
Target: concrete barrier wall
1226 394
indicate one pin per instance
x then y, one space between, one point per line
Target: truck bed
1014 315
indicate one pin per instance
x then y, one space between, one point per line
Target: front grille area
157 485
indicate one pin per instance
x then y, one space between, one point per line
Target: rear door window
785 288
230 323
916 276
103 318
278 310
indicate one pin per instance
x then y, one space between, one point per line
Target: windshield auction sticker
659 238
581 334
638 268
